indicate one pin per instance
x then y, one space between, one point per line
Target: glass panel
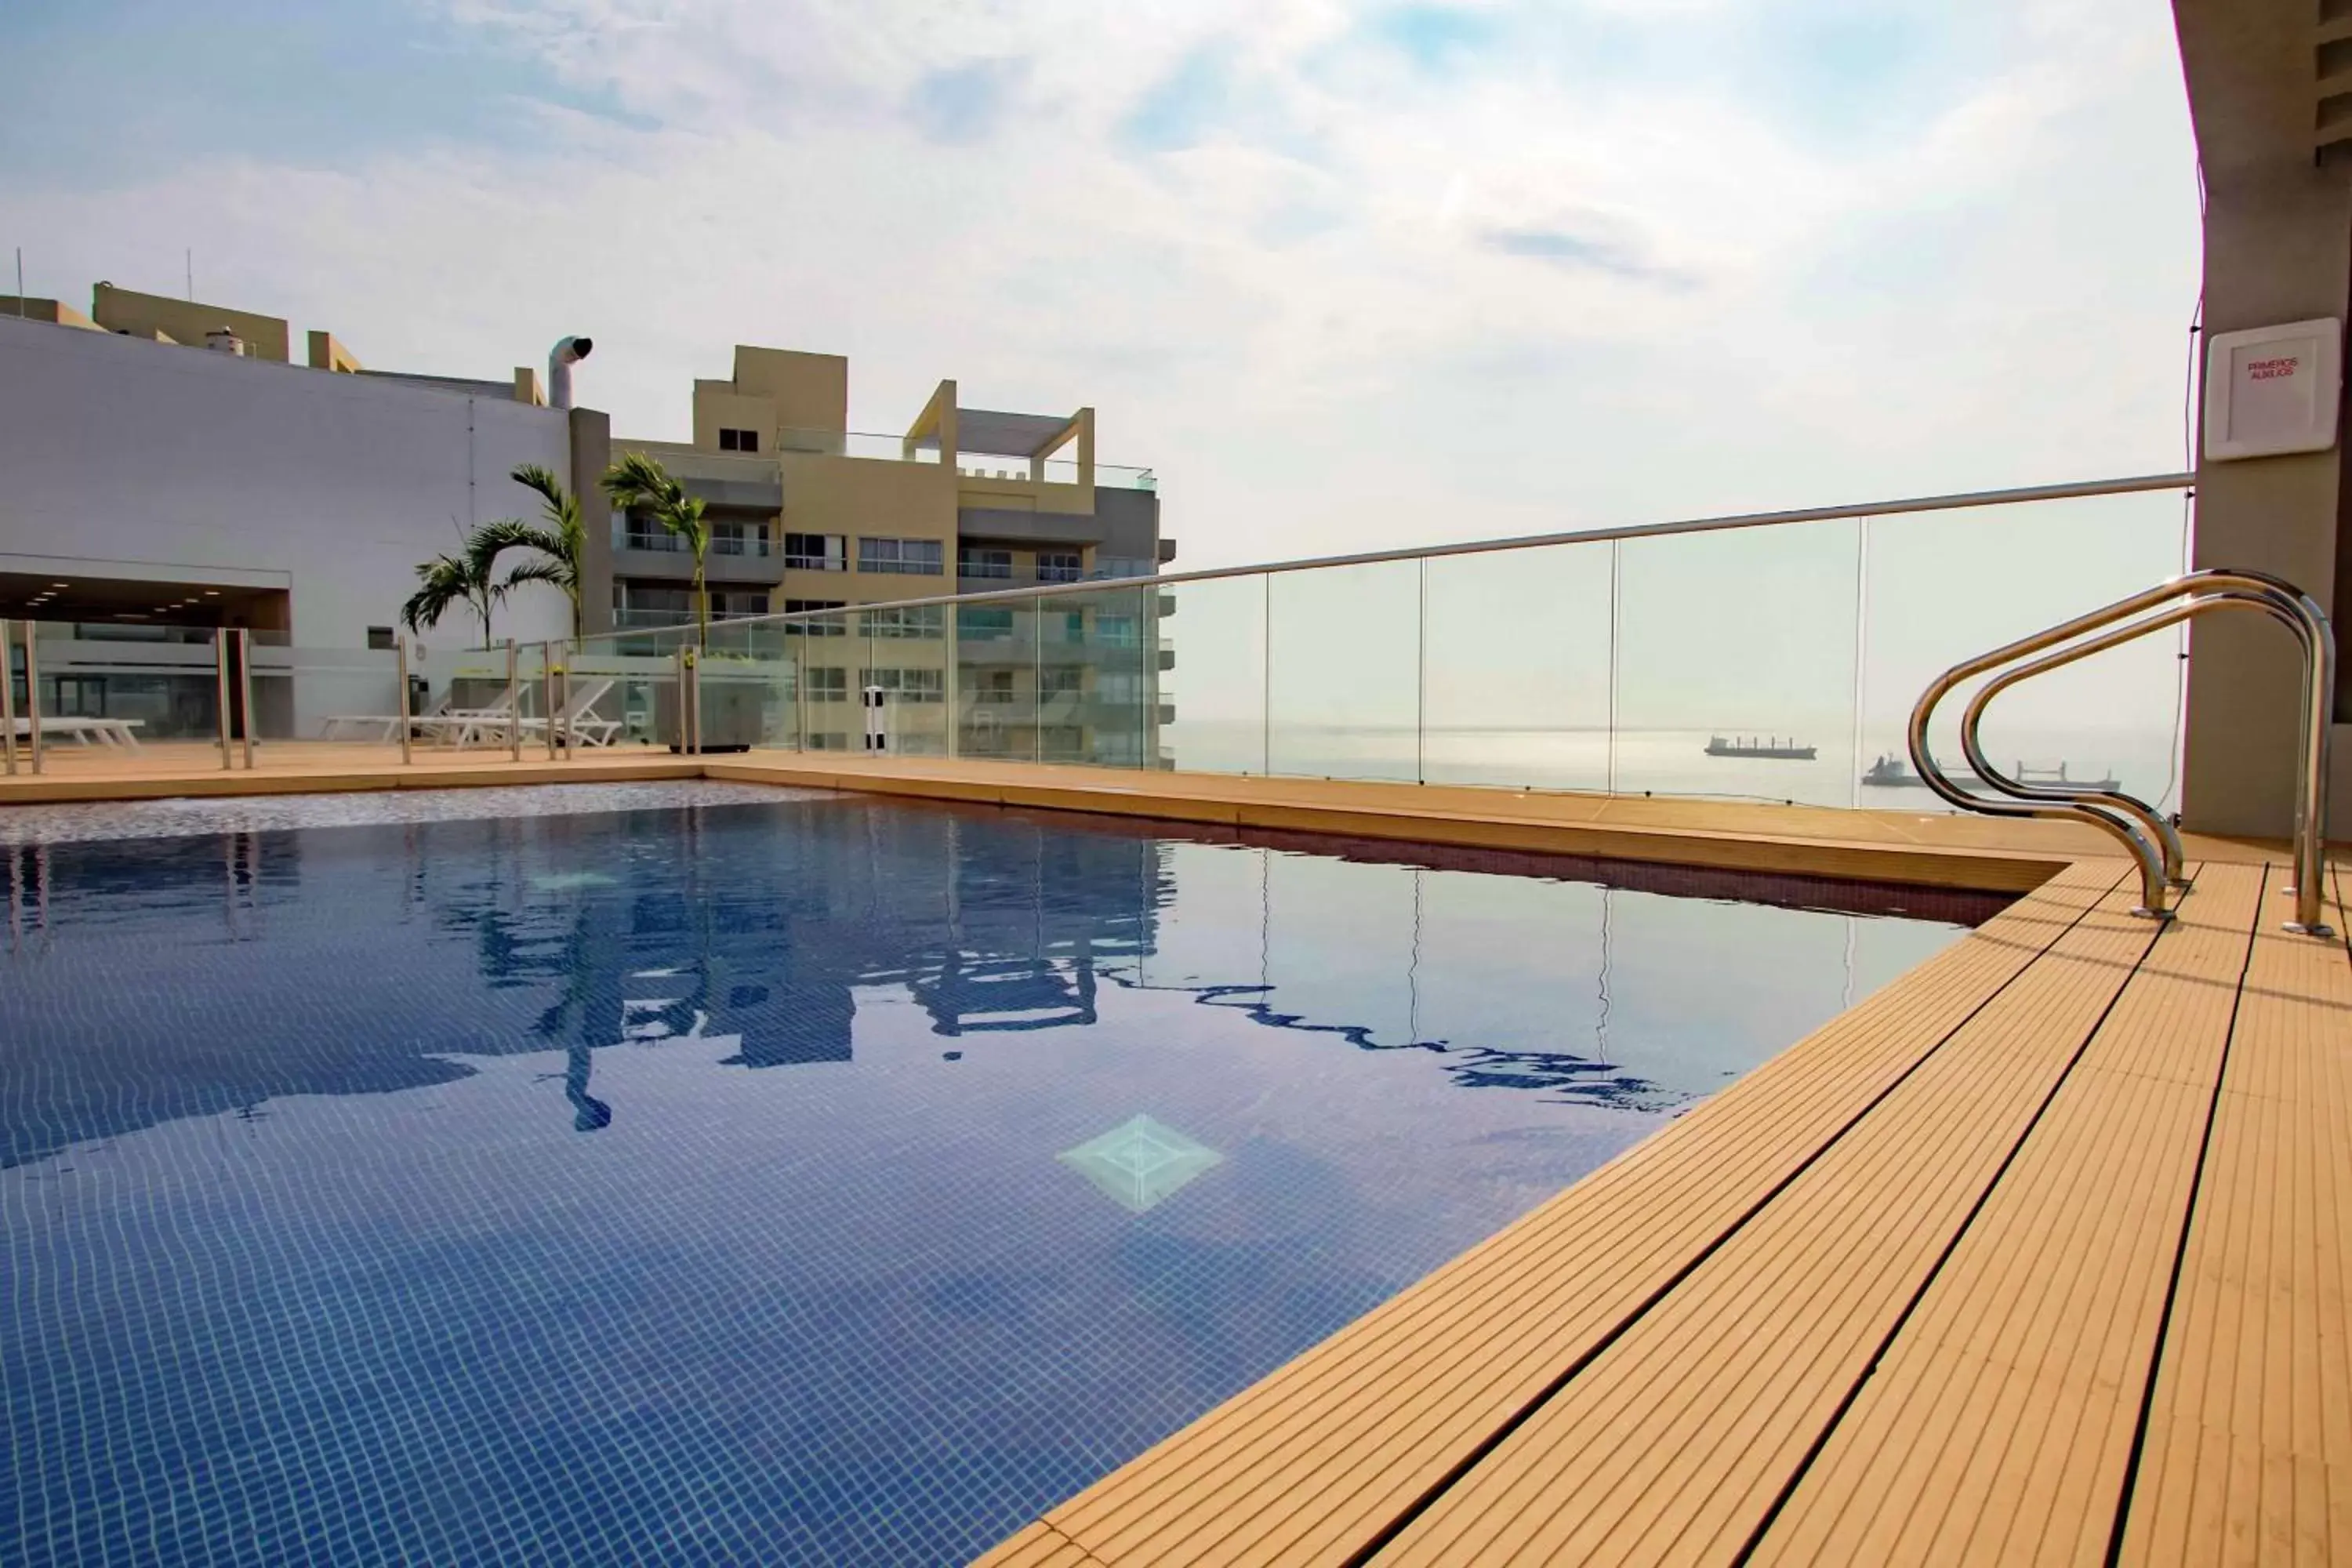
105 691
996 680
1211 690
348 695
1095 678
747 688
625 684
830 664
905 658
1946 587
1735 663
1515 681
1344 666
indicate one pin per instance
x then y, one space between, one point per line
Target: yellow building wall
187 321
54 312
807 392
857 497
325 353
717 405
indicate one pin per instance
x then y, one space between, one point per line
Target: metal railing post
547 692
32 692
220 681
8 694
953 684
244 691
514 706
400 673
694 701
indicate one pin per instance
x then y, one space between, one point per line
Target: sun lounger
578 718
444 726
84 731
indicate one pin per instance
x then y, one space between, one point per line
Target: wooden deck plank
1998 1425
2247 1455
1311 1462
1674 1445
1039 1546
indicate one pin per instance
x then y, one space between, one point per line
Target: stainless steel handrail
2206 591
1958 501
2168 838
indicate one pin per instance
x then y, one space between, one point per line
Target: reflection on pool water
824 1181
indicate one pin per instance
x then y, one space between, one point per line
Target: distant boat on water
1774 750
1893 773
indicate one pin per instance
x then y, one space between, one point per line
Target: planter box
733 715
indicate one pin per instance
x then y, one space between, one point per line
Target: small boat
1774 750
1893 773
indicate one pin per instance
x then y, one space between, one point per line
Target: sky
1344 276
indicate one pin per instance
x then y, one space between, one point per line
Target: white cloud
1338 295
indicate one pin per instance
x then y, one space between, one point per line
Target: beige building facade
808 514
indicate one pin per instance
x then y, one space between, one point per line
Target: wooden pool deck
2040 1254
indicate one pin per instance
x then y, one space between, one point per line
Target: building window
1118 631
918 557
639 604
827 683
739 539
984 623
738 440
972 561
833 626
635 531
1059 682
1059 566
828 740
729 604
910 685
928 621
992 688
380 638
816 552
1122 686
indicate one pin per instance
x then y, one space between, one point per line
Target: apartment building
175 466
808 514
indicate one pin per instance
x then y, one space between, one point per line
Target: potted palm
729 715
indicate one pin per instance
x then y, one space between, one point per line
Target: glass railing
855 443
1115 476
1775 660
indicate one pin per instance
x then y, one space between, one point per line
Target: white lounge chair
84 731
444 725
579 719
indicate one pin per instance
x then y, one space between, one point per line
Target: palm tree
638 483
559 538
449 581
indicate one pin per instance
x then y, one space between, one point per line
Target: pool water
800 1180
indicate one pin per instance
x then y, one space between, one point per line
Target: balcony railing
631 536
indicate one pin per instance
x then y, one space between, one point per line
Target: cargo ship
1893 773
1774 750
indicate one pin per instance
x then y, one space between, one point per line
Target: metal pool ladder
2153 842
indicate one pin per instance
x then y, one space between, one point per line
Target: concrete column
2278 248
592 454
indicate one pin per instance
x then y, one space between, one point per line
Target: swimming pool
702 1173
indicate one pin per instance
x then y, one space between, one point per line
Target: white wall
118 450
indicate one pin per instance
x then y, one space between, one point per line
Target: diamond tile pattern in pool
687 1185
